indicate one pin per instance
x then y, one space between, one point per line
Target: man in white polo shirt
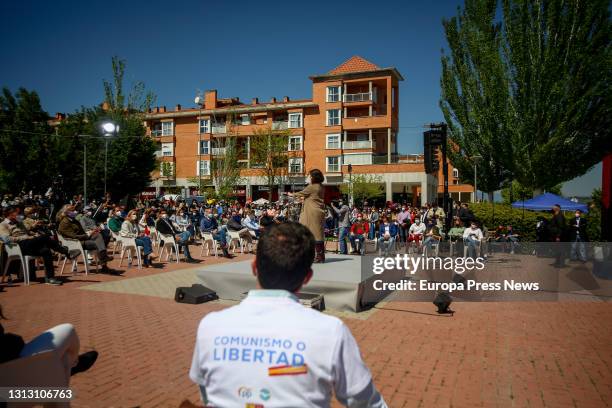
270 351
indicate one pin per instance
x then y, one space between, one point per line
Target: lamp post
350 170
109 129
476 158
199 101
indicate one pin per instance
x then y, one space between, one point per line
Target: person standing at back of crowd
313 211
557 232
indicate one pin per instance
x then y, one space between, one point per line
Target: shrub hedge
524 221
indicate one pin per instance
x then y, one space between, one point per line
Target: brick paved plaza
555 354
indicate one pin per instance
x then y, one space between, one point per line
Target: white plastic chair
118 241
154 237
466 248
129 245
209 243
13 253
235 237
76 245
435 247
169 246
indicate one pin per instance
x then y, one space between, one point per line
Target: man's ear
308 277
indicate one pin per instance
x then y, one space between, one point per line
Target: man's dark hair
285 253
10 209
316 176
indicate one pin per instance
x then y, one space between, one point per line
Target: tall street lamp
199 101
476 158
350 170
109 130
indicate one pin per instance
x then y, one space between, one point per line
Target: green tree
269 152
559 59
364 186
131 154
27 147
475 95
520 192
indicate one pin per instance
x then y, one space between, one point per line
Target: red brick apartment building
352 118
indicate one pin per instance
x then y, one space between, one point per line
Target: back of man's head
285 253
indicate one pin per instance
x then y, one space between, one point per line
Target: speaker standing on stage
313 211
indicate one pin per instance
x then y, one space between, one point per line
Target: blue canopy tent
545 202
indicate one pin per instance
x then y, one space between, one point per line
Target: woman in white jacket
130 229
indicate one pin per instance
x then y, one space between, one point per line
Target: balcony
384 159
357 97
218 151
277 125
217 129
160 133
358 144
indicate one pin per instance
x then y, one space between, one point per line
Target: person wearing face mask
130 229
70 228
403 221
472 237
12 231
115 221
387 233
416 232
164 227
578 236
359 230
209 224
313 211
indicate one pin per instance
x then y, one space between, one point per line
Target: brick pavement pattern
524 354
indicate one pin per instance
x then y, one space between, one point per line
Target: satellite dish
198 100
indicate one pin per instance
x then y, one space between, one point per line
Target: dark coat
556 227
578 229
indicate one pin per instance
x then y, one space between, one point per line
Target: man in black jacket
578 236
164 227
556 228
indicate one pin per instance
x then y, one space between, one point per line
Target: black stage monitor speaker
195 294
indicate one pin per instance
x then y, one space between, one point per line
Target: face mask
133 217
164 216
308 180
20 218
71 214
418 222
359 219
340 203
88 213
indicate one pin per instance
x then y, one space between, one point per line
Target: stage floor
339 279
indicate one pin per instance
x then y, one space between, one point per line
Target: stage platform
339 279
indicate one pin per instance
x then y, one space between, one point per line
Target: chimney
178 107
254 101
157 109
286 99
210 99
163 108
149 109
273 100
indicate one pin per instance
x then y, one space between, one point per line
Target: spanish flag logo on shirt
287 370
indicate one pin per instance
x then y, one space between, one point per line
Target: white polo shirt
270 351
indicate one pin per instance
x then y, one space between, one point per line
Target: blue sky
63 50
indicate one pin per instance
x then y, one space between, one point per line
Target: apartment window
333 117
333 164
295 143
204 147
295 165
456 173
167 149
204 126
333 141
295 120
245 119
167 128
203 167
333 94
